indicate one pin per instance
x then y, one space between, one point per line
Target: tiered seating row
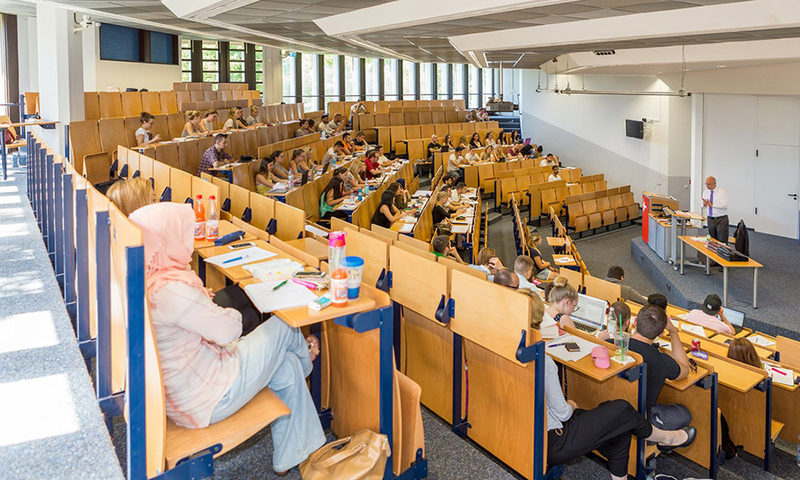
602 208
393 138
383 106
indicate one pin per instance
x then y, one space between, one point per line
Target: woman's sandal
313 347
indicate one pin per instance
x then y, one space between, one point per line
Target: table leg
3 151
708 265
683 251
724 286
755 288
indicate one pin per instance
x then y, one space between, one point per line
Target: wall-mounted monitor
634 128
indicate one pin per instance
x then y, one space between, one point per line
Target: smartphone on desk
572 347
241 245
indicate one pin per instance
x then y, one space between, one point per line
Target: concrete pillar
28 54
697 181
60 60
272 80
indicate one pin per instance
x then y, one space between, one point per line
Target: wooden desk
710 255
585 365
722 338
556 241
572 263
238 273
225 227
3 146
311 246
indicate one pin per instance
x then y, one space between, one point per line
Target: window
371 67
210 61
119 43
259 54
442 81
186 60
425 83
330 66
351 79
409 81
458 82
473 100
488 90
161 48
289 62
308 73
236 62
390 80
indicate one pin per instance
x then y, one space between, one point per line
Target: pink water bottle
336 250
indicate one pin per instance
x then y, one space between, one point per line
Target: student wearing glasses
563 301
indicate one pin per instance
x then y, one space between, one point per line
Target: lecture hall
352 240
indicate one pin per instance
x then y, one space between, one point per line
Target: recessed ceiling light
721 66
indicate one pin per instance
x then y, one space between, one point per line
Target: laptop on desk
735 317
590 314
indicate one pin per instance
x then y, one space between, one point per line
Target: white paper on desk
682 316
460 228
409 219
290 295
694 329
663 343
274 270
759 340
561 351
564 260
279 187
782 376
613 356
249 255
407 227
698 239
420 193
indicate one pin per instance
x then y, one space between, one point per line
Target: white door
776 190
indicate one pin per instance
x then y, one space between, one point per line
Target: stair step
494 217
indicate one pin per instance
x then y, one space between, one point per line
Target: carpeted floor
50 423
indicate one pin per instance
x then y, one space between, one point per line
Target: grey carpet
50 424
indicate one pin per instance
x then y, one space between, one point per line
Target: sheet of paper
460 228
694 329
274 270
240 257
409 219
780 375
682 316
663 343
759 340
407 227
699 239
561 352
614 357
564 260
290 295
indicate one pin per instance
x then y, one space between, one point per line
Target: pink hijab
168 235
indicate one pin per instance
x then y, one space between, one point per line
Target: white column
272 80
90 45
28 54
698 124
60 66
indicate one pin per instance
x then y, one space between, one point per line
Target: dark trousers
335 213
233 297
718 228
607 429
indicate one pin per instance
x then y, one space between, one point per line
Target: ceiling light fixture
679 93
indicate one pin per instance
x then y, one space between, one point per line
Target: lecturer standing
715 199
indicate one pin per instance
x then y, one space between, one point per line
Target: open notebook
290 295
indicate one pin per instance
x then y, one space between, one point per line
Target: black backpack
742 242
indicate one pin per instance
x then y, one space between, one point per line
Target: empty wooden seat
87 152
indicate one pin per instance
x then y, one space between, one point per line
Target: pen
778 371
279 285
310 285
232 259
555 345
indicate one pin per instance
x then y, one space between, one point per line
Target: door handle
793 195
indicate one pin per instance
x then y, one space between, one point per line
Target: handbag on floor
360 457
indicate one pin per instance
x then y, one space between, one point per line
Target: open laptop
590 314
325 168
735 317
304 178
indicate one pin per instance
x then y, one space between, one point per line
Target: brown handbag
360 457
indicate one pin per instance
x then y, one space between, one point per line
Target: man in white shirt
715 199
333 153
455 160
473 157
357 109
326 126
554 177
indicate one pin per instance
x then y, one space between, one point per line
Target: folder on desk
780 375
290 295
240 257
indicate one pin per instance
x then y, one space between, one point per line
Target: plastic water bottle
212 222
199 218
611 323
336 250
291 179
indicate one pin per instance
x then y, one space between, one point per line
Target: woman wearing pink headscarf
209 372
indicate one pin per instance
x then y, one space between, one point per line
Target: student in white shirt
472 157
143 135
333 153
455 160
554 177
715 200
456 193
326 126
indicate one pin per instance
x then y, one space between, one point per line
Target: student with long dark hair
333 195
387 213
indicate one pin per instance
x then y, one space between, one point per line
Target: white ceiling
519 33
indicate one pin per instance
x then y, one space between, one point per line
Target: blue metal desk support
85 342
766 387
639 372
69 247
58 219
711 382
66 141
41 179
51 208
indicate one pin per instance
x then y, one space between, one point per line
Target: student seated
455 161
538 152
373 168
489 141
472 157
387 213
440 211
616 275
209 121
487 261
475 141
347 144
354 180
215 156
332 195
554 177
658 300
252 117
360 142
463 142
741 350
357 109
192 126
326 126
607 428
456 195
401 196
513 152
661 366
143 135
621 313
280 168
562 300
299 162
338 123
132 194
333 153
447 143
433 147
235 119
545 271
526 151
383 161
548 161
443 247
711 316
523 267
209 371
303 129
265 179
490 154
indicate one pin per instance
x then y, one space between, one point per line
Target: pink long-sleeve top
198 370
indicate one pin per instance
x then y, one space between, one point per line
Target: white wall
28 54
588 131
99 75
512 84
